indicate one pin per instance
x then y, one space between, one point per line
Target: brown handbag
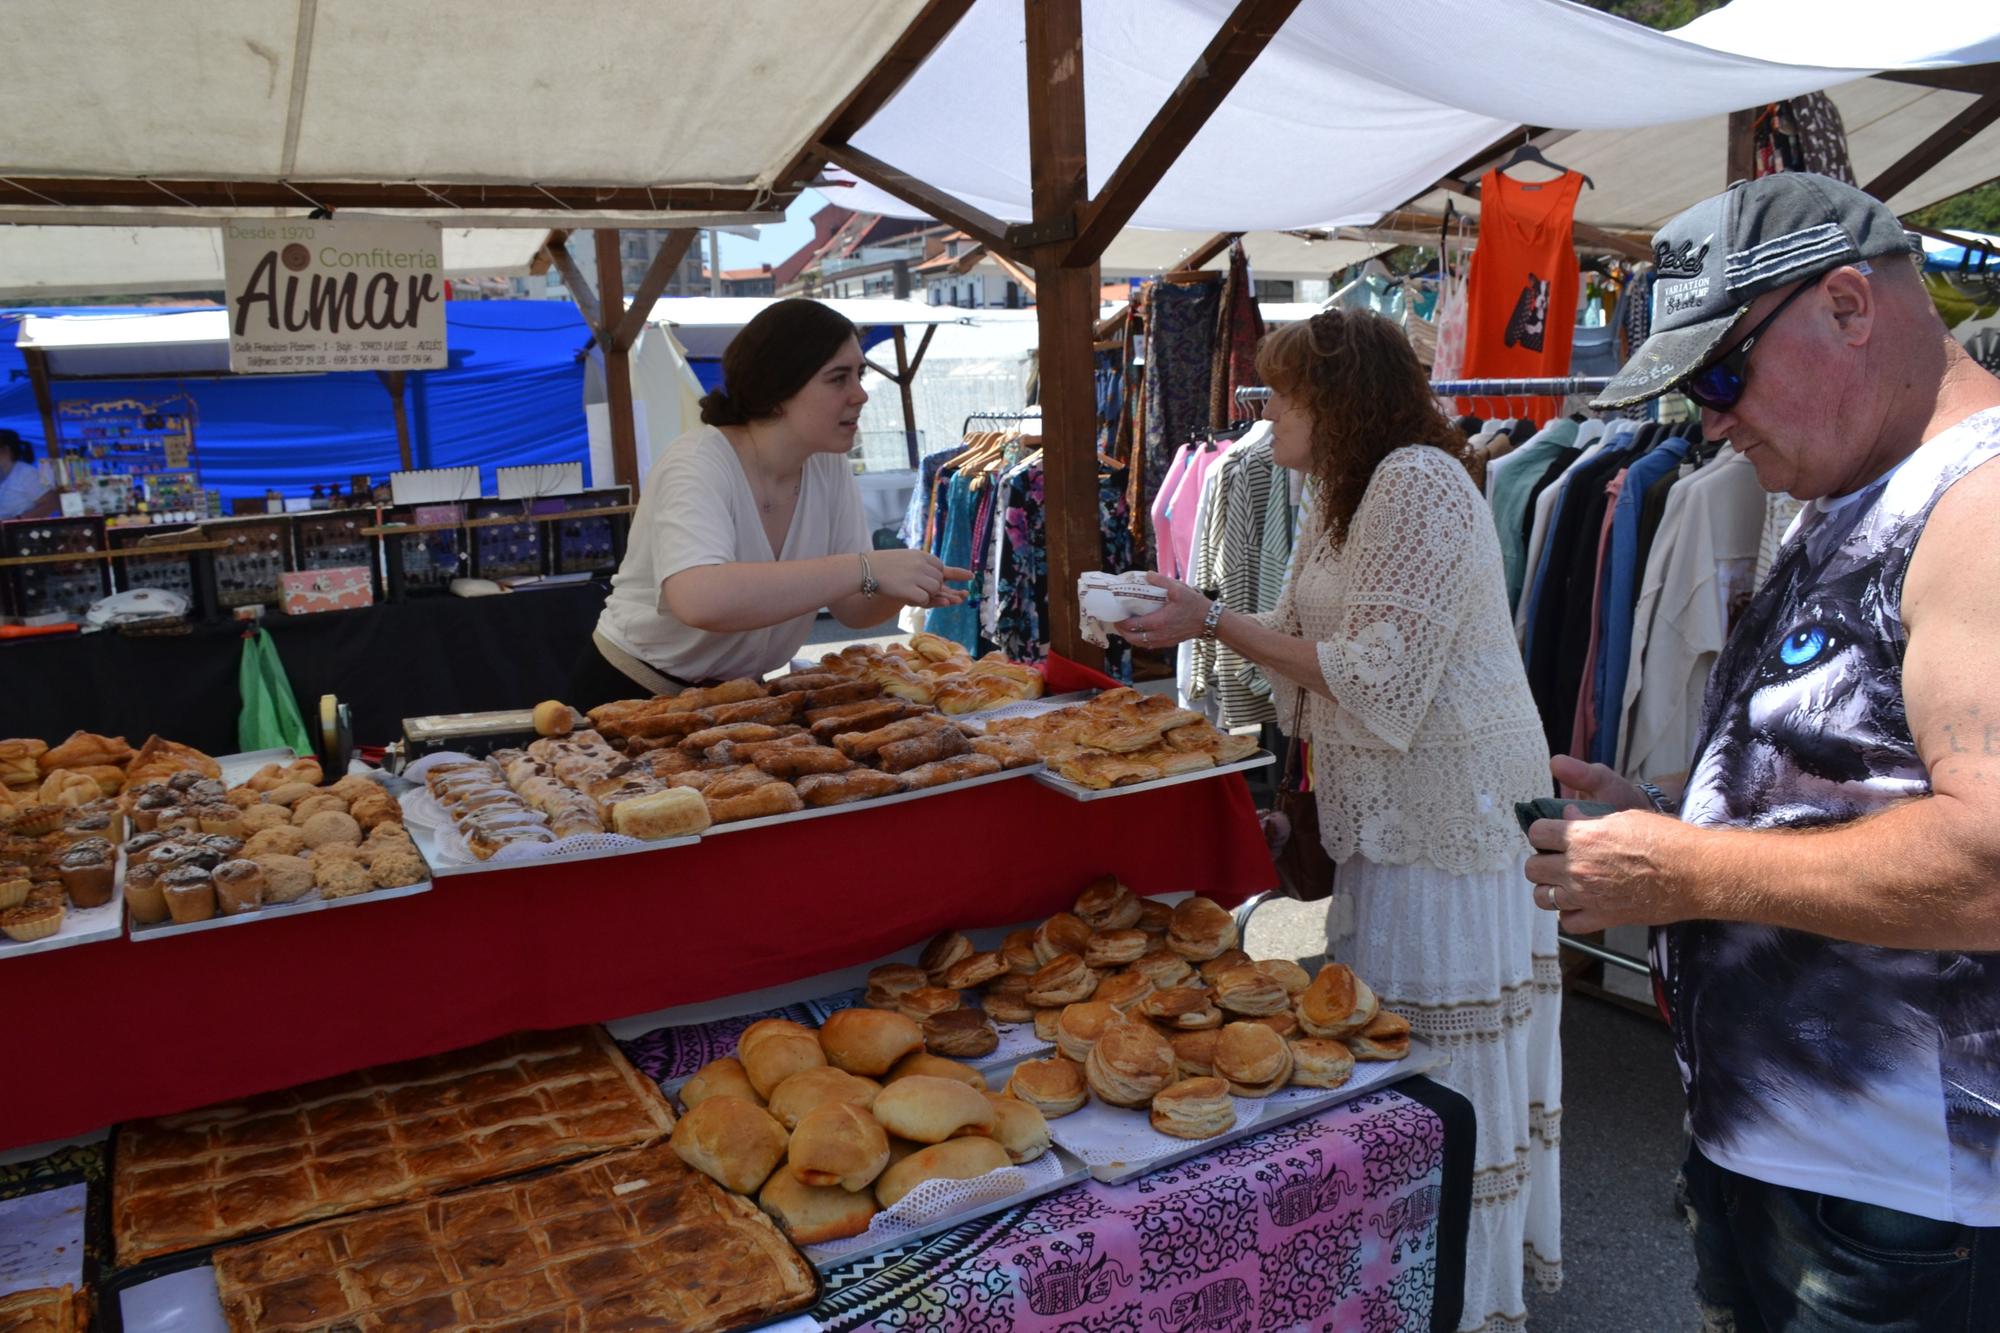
1291 826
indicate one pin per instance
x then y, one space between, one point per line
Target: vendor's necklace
760 487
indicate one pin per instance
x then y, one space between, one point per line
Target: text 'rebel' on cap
1713 260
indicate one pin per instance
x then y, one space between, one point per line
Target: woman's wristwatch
869 587
1212 619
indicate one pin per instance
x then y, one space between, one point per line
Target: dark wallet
1552 807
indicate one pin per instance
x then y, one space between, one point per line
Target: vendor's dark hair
772 357
22 451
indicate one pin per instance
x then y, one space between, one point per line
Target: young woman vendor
751 524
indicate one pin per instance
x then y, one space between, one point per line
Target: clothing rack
1528 388
1031 414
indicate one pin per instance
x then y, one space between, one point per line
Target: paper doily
942 1200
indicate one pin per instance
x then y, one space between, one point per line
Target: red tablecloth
106 1032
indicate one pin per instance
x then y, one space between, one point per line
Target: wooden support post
393 381
909 400
1066 305
45 403
1740 156
623 332
579 286
617 366
1953 135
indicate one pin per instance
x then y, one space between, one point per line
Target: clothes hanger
1528 152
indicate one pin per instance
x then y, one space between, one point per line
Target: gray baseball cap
1719 256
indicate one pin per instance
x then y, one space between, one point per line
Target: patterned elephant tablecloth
1349 1221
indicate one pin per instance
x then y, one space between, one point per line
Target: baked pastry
375 1137
1320 1062
1107 905
1009 751
958 768
1286 973
45 1310
1064 980
340 876
838 1143
921 1003
1124 990
791 762
32 920
769 798
1251 991
1194 1108
281 840
671 812
733 1142
891 981
774 1050
1200 929
289 794
724 1077
190 894
286 878
945 948
1080 1025
1060 934
1116 948
937 1066
262 818
144 898
973 971
88 874
1183 1008
1285 1024
816 1214
860 784
868 1041
1006 1000
1255 1060
66 787
83 749
927 1109
960 1159
1018 951
1194 1052
394 868
1022 1130
553 717
1054 1086
1130 1062
1225 961
302 810
865 745
964 1033
1164 968
1337 1004
239 886
331 826
928 748
1045 1021
1387 1037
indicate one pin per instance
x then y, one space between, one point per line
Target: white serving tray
1077 792
1117 1144
1048 703
183 1302
849 807
238 769
92 925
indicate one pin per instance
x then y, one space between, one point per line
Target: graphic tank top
1866 1073
1521 298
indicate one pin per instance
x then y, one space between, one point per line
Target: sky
775 242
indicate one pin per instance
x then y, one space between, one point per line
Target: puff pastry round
1255 1060
1107 905
1200 929
1337 1004
1060 934
1080 1025
1321 1062
1054 1086
1130 1062
1065 979
1194 1108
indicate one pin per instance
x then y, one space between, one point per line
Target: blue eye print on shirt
1803 647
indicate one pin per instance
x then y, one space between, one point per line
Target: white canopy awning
184 342
705 324
1138 253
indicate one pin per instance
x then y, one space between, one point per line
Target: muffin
286 878
239 887
190 893
145 897
221 818
31 921
87 875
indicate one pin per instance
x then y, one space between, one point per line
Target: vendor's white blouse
697 509
1432 734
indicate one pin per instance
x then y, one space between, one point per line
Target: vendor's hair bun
718 410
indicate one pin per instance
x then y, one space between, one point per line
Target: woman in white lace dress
1394 622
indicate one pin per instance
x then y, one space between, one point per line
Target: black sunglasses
1718 385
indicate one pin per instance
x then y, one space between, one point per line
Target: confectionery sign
306 295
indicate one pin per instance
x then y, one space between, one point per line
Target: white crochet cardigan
1432 734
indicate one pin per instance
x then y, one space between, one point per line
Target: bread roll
838 1143
674 812
1019 1128
810 1088
858 784
815 1214
771 798
776 1055
733 1142
964 1033
1200 929
960 1159
926 1109
1080 1025
1320 1062
937 1066
1130 1062
1195 1108
1054 1086
1255 1060
554 718
1337 1004
1060 934
1107 905
868 1041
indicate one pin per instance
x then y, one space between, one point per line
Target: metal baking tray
1077 792
876 803
92 925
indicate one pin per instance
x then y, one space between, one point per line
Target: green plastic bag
270 717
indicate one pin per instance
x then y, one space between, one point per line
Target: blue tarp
512 395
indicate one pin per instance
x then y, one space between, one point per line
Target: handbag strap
1288 780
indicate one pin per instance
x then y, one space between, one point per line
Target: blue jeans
1770 1259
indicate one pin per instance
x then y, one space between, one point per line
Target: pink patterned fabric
1327 1223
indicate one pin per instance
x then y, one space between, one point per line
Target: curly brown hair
1357 375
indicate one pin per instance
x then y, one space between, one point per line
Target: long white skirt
1471 962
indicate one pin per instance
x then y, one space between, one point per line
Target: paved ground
1626 1260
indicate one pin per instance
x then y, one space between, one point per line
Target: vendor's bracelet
1212 619
869 587
1657 797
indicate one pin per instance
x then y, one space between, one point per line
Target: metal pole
714 262
1610 956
